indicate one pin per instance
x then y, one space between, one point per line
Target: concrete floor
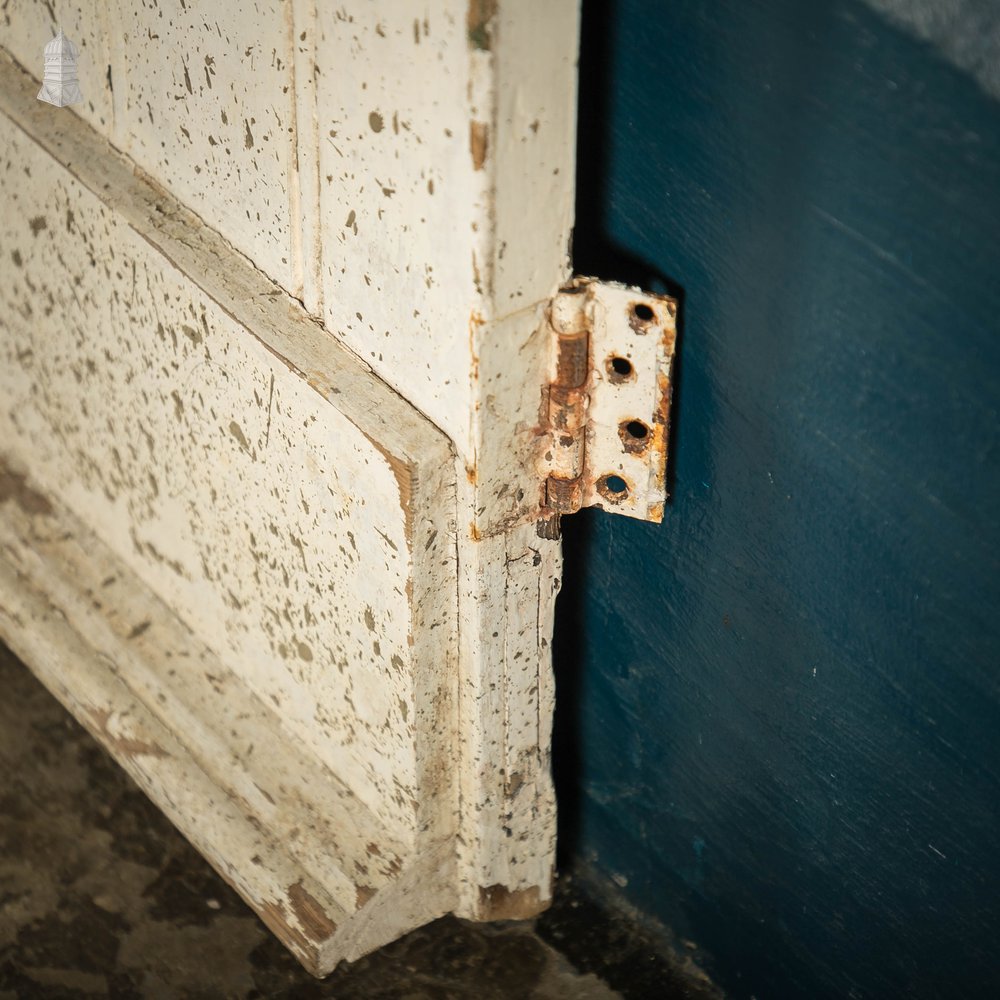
101 897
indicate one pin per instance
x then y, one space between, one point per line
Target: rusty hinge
608 405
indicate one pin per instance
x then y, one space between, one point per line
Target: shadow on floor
101 897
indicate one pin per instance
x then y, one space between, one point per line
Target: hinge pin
568 412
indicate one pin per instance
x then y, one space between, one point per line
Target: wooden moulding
320 870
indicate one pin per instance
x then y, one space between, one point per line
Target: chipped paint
179 384
310 914
107 729
505 904
266 460
479 138
478 23
605 439
14 488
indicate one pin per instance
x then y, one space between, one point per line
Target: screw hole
642 312
612 488
637 429
619 369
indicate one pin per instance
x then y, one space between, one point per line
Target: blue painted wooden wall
779 711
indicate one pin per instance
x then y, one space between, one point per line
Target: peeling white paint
359 554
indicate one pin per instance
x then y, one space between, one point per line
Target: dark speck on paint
237 432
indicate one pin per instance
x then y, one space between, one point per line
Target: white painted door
272 350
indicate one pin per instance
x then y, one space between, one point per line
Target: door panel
275 345
262 514
204 100
257 489
404 170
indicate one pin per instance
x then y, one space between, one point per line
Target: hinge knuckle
572 359
564 496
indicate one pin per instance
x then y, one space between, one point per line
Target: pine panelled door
273 348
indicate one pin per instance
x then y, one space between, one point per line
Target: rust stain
619 370
476 322
549 527
661 417
573 359
564 496
497 902
310 914
477 23
641 317
14 487
478 143
127 746
565 419
613 496
636 437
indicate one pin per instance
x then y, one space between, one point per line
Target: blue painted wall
779 711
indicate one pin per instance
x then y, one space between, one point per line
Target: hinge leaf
608 399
